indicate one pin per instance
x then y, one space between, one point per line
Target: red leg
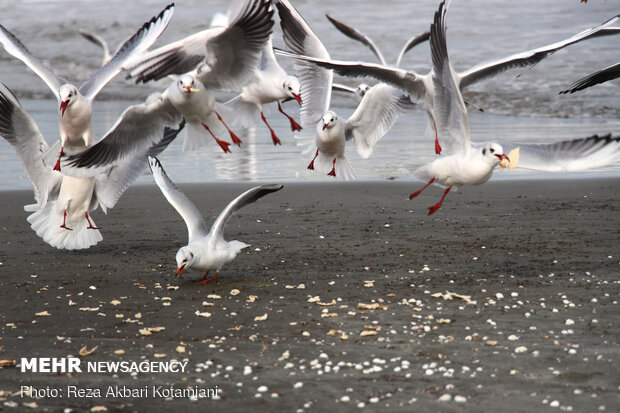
234 137
437 145
294 125
90 224
434 208
206 280
416 193
223 144
333 171
64 222
57 166
311 166
274 138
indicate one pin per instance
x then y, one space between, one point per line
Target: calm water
526 109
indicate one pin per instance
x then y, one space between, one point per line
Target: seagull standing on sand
206 250
61 214
270 83
470 164
373 118
420 87
75 110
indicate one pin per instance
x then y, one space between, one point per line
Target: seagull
75 110
185 99
270 83
206 250
372 119
420 87
473 164
99 41
61 215
605 75
357 35
220 57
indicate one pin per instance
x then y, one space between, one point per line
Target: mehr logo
50 365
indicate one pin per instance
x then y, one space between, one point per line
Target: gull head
329 120
494 153
292 88
67 95
361 90
186 84
185 258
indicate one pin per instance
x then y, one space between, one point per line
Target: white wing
316 82
355 34
137 129
375 116
343 88
246 198
110 186
569 155
225 57
196 227
134 47
532 57
411 43
95 39
408 81
609 73
21 131
14 47
449 109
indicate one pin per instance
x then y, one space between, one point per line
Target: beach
350 296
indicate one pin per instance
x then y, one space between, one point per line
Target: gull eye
492 150
484 151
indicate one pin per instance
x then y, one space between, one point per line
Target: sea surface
524 109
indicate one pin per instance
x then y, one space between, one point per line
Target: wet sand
354 281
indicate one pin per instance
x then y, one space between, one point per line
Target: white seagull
75 110
270 83
357 35
605 75
372 119
221 57
61 215
420 87
206 250
469 164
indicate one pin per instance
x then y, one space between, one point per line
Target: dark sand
551 248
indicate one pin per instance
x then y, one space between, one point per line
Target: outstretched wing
609 73
227 55
133 47
532 57
568 155
316 82
99 41
196 227
110 186
411 43
137 129
408 81
15 48
246 198
355 34
375 116
21 131
449 109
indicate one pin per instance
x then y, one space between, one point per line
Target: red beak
180 270
188 89
324 126
63 107
503 156
297 98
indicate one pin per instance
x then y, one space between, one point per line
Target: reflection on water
524 109
258 159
